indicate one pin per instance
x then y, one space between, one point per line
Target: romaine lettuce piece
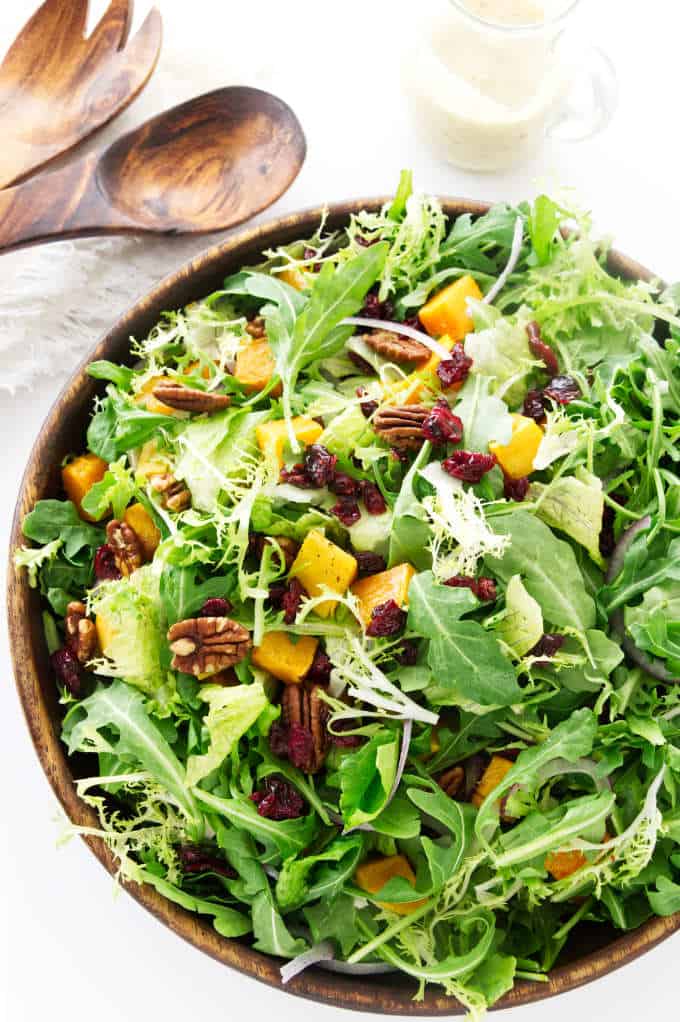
574 505
231 712
522 626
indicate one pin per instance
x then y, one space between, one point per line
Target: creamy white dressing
485 80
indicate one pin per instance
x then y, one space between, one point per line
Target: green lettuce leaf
112 493
366 778
522 625
573 505
232 710
485 416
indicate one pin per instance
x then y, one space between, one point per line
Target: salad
364 598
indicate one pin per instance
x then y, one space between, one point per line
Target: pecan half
127 550
452 781
174 494
303 706
401 427
187 399
256 328
396 347
206 645
81 632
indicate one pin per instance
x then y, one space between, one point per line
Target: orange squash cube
447 311
255 366
145 397
321 563
294 278
386 585
273 436
79 476
415 386
516 458
373 875
286 659
491 778
144 527
561 865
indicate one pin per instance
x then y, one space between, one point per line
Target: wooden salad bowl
593 950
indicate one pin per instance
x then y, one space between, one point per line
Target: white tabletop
75 952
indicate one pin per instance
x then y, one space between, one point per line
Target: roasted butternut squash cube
151 462
79 476
321 563
447 311
273 436
517 457
106 632
373 875
294 278
386 585
562 864
287 657
491 778
144 397
144 527
415 386
255 365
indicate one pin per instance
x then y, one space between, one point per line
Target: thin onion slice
515 252
358 968
400 328
322 952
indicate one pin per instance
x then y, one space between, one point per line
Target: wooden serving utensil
202 166
57 87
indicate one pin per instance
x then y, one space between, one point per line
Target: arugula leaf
118 426
182 595
548 567
410 532
59 519
404 192
334 919
318 876
432 606
285 837
271 934
227 921
366 778
543 221
120 707
120 376
665 900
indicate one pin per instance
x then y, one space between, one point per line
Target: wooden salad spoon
205 165
57 86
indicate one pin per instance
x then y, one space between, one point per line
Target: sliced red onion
358 968
403 756
322 952
271 872
619 552
399 328
515 252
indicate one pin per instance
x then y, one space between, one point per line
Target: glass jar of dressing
489 79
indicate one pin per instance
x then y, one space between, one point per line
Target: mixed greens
377 666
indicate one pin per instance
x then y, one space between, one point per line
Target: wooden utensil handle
67 203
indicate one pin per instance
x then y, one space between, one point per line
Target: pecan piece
206 645
396 347
174 494
81 633
187 399
127 550
303 708
402 427
256 328
452 781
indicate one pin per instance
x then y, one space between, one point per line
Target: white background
73 951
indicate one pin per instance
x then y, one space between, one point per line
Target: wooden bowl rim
389 995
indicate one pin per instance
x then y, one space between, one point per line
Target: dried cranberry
369 406
373 499
319 464
374 308
469 466
309 253
515 489
441 426
362 365
291 600
607 537
320 671
539 349
483 588
347 511
398 455
455 369
344 741
413 322
278 739
408 654
277 591
216 607
300 746
195 859
563 389
67 669
534 406
256 544
369 563
105 564
296 476
386 619
279 800
549 644
364 242
344 485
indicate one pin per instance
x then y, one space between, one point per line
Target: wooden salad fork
57 86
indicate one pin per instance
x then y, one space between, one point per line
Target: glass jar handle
590 102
